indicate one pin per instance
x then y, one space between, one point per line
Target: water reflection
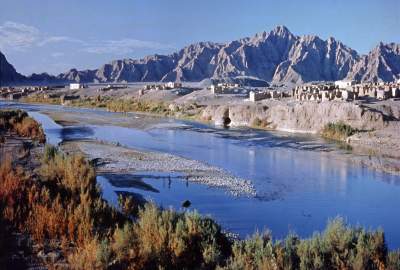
71 133
300 182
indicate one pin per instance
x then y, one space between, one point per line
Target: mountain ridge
277 56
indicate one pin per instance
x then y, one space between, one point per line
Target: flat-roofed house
395 92
75 86
344 84
173 85
382 94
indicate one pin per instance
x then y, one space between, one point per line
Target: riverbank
64 215
375 143
117 159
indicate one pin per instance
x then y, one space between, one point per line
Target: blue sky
53 36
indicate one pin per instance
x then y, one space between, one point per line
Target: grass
259 123
338 131
191 112
19 122
39 98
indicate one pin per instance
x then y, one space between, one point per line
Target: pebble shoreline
118 159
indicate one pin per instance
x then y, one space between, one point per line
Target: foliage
94 254
14 186
393 260
70 201
41 98
63 204
18 121
259 123
170 239
338 131
125 105
338 247
129 207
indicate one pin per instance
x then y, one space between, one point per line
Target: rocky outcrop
381 64
307 117
313 59
8 74
77 76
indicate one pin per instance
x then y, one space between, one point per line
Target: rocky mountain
8 74
277 56
382 63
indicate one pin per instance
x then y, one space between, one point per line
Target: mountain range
277 56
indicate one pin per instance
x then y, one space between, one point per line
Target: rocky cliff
306 117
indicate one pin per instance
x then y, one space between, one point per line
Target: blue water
299 181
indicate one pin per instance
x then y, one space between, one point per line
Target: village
14 93
346 91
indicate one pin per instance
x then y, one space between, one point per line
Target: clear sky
55 35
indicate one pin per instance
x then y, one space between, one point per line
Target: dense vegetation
338 131
61 207
122 105
190 111
19 122
112 104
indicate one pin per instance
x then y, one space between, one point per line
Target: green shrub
393 260
254 253
49 153
338 247
338 131
170 239
94 254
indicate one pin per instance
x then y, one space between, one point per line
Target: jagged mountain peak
381 64
276 55
281 30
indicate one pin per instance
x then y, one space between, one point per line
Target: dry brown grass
18 121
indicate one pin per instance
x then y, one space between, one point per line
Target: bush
70 204
18 121
338 131
124 105
338 247
170 239
49 153
94 254
14 188
393 261
64 205
254 253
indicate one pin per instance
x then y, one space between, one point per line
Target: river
301 181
